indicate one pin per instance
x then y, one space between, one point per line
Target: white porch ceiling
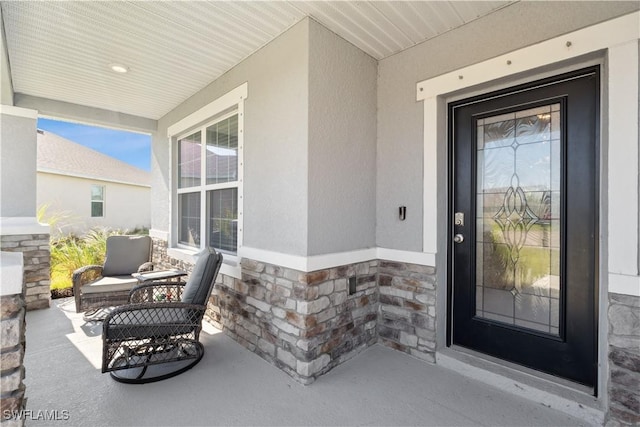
62 50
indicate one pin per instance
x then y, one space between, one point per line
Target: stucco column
19 228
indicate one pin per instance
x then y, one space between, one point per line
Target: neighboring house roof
61 156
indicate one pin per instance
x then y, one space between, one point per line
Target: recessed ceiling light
119 68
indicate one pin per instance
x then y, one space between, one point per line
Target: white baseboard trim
624 284
421 258
322 262
306 263
294 262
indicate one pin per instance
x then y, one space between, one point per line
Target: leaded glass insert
518 218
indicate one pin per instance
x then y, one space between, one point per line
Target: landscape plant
69 252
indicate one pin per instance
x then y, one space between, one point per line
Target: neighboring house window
97 201
208 178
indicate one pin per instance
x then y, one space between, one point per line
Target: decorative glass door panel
518 228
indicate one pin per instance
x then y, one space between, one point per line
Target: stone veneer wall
161 260
37 266
304 323
12 346
624 359
407 320
307 323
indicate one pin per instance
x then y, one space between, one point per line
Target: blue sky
132 148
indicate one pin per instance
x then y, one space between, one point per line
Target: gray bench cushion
110 284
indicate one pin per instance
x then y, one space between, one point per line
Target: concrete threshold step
572 399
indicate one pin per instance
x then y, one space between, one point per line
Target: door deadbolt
458 238
458 218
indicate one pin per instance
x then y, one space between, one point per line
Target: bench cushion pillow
125 254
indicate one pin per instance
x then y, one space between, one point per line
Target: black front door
524 214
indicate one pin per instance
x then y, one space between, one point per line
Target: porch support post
19 227
17 211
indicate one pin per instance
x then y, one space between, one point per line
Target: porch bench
97 286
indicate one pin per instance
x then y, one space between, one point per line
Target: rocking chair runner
156 336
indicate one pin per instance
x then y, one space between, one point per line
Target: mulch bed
61 293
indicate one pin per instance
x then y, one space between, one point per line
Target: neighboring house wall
66 173
126 206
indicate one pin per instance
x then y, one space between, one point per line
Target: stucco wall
342 150
400 117
275 143
126 206
17 166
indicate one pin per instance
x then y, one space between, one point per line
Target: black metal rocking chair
156 336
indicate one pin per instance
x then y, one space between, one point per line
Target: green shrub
69 253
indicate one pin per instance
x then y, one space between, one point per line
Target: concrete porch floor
232 386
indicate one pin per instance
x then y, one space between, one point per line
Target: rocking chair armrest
156 292
85 274
147 266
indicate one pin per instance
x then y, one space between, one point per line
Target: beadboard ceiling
62 50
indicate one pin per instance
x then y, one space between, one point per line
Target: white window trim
210 113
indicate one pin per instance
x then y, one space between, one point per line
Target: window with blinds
208 180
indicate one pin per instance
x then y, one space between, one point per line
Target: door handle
458 238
